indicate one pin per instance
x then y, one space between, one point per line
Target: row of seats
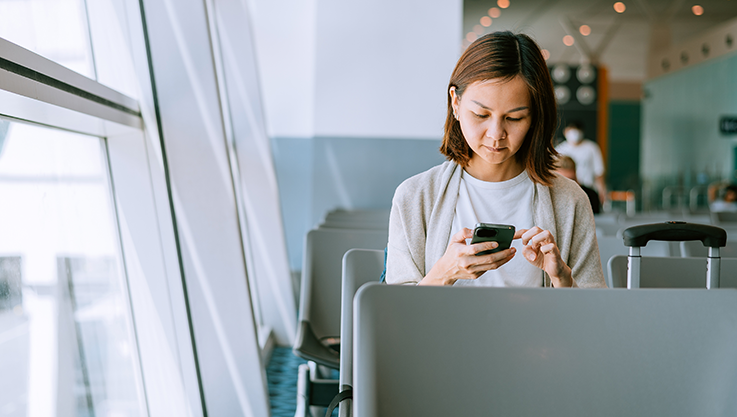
530 351
612 224
610 228
360 266
319 328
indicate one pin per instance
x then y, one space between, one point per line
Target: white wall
382 66
284 31
375 69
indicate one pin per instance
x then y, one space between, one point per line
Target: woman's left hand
540 250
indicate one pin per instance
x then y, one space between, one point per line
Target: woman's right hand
460 260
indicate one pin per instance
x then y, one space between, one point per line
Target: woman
499 141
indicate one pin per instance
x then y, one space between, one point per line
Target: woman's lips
492 149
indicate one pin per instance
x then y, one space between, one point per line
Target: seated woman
499 142
726 202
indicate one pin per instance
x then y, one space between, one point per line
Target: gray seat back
422 351
375 216
360 266
694 248
319 310
614 245
671 272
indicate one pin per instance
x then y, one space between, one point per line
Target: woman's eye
514 119
481 116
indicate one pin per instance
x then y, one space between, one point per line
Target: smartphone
500 233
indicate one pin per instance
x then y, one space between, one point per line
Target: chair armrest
308 346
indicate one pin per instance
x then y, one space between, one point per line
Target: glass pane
55 29
66 340
111 43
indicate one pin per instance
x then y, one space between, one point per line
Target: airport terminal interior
196 199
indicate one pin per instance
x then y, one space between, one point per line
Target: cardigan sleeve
405 257
584 259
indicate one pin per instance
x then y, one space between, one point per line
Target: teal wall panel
681 143
623 164
320 174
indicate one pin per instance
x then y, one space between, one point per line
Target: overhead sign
728 125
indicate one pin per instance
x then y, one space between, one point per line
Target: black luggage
711 236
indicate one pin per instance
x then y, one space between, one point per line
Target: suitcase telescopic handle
710 236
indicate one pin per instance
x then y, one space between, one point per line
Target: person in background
566 167
498 138
728 200
587 155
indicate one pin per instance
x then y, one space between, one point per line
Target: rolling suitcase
674 231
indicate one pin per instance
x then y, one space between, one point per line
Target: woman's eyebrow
510 111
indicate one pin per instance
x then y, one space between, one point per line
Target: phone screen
500 233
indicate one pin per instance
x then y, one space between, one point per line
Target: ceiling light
568 40
470 36
697 10
585 30
546 54
495 12
503 3
619 7
585 74
561 73
562 94
586 94
486 21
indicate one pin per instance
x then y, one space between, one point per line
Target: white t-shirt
723 206
506 202
587 156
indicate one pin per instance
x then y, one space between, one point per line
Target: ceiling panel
628 33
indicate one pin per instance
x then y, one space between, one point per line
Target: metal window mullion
25 73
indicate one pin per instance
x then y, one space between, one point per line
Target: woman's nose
495 130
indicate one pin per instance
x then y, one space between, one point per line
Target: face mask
574 136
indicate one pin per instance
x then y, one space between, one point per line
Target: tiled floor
281 375
282 378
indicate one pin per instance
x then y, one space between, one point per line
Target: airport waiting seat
724 218
318 332
356 219
693 248
345 224
432 352
378 215
610 246
360 266
671 272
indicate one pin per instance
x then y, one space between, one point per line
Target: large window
55 29
66 342
123 285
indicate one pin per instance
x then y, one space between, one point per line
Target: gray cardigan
422 214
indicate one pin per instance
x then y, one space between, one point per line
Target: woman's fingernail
531 256
513 250
494 244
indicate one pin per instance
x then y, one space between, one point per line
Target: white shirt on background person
589 162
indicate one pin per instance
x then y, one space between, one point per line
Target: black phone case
500 233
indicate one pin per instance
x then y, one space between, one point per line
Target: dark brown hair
505 55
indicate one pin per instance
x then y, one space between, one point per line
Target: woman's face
495 116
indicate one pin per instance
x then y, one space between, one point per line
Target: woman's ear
454 100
